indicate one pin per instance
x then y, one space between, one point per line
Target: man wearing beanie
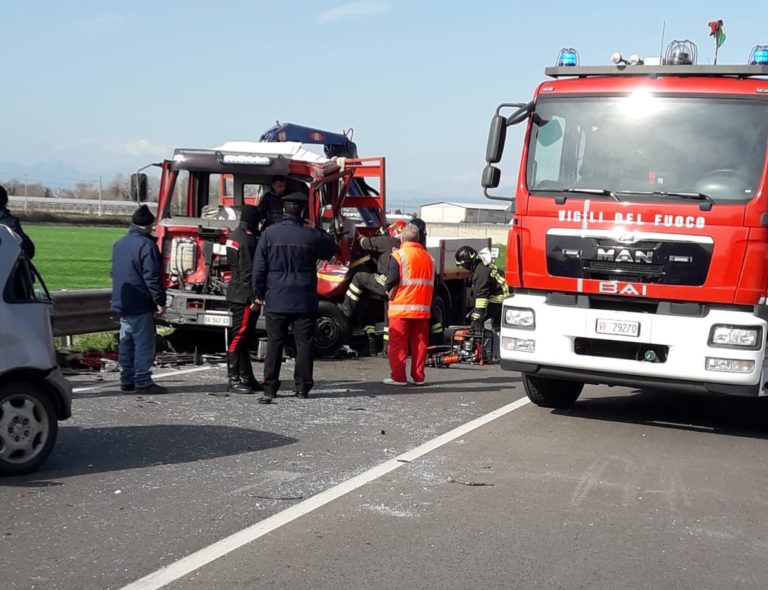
137 293
241 246
15 225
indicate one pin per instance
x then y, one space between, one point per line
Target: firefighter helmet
396 228
466 256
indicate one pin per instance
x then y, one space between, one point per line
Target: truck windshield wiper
696 196
600 192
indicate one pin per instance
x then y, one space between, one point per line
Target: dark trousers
239 352
277 333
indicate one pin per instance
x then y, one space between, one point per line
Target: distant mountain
55 173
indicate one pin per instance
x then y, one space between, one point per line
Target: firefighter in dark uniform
241 247
285 283
380 248
488 286
271 205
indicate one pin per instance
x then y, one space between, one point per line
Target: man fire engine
638 249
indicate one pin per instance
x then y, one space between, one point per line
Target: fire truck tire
28 427
332 329
552 393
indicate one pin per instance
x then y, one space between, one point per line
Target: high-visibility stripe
475 315
360 261
409 307
386 332
380 279
330 278
482 302
353 296
436 328
354 288
497 298
416 282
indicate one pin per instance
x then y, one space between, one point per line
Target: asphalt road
627 490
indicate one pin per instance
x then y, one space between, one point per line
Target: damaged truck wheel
332 329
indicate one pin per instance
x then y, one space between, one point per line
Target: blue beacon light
759 55
568 57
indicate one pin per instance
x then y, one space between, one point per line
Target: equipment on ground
467 347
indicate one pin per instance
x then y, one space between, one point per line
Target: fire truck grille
635 269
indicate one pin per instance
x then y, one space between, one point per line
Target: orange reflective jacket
413 295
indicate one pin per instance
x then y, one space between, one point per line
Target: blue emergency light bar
568 57
759 56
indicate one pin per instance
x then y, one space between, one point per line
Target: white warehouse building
452 212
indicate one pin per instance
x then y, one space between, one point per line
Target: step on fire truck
203 190
639 242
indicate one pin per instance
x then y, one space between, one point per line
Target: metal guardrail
82 312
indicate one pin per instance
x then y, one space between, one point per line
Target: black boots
235 385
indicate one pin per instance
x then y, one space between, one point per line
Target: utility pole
100 212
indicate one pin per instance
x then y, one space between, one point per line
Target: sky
108 86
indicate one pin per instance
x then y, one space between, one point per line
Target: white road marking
158 376
198 559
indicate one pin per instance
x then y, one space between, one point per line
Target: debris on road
470 483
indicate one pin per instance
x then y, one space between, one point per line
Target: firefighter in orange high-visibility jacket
410 285
488 286
241 246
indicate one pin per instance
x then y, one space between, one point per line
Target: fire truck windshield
644 146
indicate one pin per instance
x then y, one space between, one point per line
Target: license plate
618 327
210 319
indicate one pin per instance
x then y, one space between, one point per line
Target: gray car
34 395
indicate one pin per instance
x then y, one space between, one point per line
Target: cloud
354 9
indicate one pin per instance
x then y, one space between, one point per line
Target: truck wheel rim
23 429
327 332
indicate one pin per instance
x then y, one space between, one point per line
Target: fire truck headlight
518 344
519 317
730 365
724 336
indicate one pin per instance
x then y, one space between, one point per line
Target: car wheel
28 427
331 329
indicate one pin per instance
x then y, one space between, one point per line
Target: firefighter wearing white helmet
488 286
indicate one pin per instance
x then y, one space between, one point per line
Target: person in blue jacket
285 283
11 221
137 294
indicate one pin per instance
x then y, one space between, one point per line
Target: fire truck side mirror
497 135
491 177
139 187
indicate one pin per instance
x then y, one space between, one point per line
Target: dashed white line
194 561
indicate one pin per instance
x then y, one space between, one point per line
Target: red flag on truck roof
716 30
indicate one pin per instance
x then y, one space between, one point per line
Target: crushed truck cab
639 243
203 190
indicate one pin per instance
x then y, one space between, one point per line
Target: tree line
116 189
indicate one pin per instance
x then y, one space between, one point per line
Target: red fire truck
639 243
202 192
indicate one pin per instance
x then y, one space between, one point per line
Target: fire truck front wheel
332 329
551 393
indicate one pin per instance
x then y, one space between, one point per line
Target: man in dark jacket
241 247
137 293
285 282
13 222
271 205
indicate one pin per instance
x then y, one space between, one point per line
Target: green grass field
74 257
